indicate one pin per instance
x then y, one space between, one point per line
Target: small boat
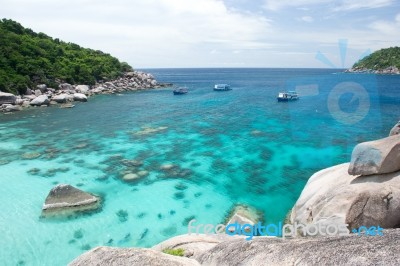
180 91
287 96
222 87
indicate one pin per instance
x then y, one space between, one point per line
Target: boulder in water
66 199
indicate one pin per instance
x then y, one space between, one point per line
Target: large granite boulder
334 196
80 97
40 100
193 244
66 199
376 157
130 257
82 88
7 98
395 130
338 250
61 98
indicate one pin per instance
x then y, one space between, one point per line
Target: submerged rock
64 199
130 177
30 155
130 256
376 157
243 214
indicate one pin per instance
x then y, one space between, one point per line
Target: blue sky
217 33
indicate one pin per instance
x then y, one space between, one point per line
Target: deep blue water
240 146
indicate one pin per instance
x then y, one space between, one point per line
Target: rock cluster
364 192
67 93
388 70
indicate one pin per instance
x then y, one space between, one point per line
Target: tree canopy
380 59
28 58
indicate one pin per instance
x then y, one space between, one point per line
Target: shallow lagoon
240 146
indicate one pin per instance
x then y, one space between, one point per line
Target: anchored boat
222 87
287 96
180 91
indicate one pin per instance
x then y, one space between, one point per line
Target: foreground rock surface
345 250
376 157
338 250
395 130
64 199
193 244
129 256
334 196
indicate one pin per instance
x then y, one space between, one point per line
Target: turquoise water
240 146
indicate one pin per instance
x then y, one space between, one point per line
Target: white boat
287 96
222 87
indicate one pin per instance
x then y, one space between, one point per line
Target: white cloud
136 31
307 19
362 4
337 5
276 5
390 29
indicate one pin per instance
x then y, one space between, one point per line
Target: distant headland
37 70
383 61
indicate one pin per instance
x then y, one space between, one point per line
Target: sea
221 148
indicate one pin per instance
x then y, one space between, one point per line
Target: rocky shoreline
66 94
392 70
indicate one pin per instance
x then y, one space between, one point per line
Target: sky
218 33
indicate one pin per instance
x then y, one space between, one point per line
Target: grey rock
61 98
82 88
129 256
7 98
64 199
345 250
29 97
395 130
40 100
376 157
80 97
65 86
38 92
28 91
42 87
333 196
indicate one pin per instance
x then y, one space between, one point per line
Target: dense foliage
381 59
28 58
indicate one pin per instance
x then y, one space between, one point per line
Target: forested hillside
28 58
381 59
